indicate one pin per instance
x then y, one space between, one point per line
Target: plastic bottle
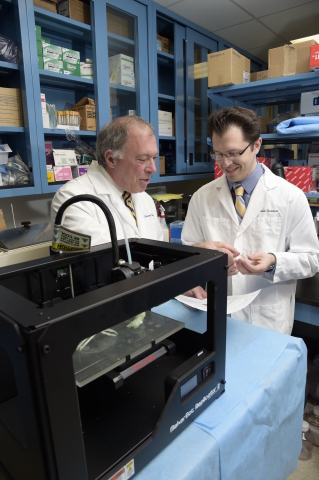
163 224
313 420
307 442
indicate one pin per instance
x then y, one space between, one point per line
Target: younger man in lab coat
260 215
126 153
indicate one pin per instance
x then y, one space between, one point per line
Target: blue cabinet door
197 106
121 62
17 121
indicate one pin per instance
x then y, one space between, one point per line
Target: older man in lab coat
265 218
126 153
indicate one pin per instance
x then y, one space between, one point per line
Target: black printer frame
41 428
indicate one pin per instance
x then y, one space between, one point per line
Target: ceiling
253 25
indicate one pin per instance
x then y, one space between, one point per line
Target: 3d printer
87 413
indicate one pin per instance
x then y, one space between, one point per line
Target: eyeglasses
229 156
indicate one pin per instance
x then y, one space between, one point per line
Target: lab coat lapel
225 198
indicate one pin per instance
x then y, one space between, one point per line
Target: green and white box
52 51
71 68
70 56
121 70
52 65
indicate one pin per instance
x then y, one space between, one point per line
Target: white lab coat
278 220
88 218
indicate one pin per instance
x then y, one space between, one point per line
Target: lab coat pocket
275 316
216 229
264 234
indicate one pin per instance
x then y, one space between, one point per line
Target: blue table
254 429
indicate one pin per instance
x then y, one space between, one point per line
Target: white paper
234 302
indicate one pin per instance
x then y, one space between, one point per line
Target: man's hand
224 247
260 261
197 292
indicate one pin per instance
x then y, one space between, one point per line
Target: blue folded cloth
298 125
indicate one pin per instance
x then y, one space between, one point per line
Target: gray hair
114 135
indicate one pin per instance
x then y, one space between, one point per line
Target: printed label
246 77
69 241
125 472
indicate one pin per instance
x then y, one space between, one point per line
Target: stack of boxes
120 24
121 70
71 62
52 58
165 123
227 67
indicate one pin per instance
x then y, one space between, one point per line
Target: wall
36 208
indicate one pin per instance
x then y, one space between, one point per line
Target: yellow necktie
127 197
240 202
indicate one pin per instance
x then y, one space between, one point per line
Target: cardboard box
162 165
64 157
62 174
282 61
264 161
257 76
200 70
3 225
164 117
71 68
86 70
165 45
52 65
11 111
70 56
50 176
121 70
46 4
76 10
227 67
303 177
263 121
158 42
120 24
51 51
86 108
303 55
314 57
165 130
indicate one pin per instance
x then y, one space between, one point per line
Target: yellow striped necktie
127 197
240 202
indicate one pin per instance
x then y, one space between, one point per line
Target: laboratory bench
253 429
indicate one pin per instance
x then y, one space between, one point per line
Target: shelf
264 92
296 138
168 98
114 39
165 55
6 67
62 80
122 88
312 195
61 132
166 137
60 24
6 130
165 59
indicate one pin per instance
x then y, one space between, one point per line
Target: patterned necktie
240 202
127 197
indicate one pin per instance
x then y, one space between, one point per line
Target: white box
165 130
43 104
164 117
45 119
64 157
4 153
121 70
309 103
86 70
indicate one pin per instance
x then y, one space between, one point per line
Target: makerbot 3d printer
82 395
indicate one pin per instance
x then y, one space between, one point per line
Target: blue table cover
253 431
